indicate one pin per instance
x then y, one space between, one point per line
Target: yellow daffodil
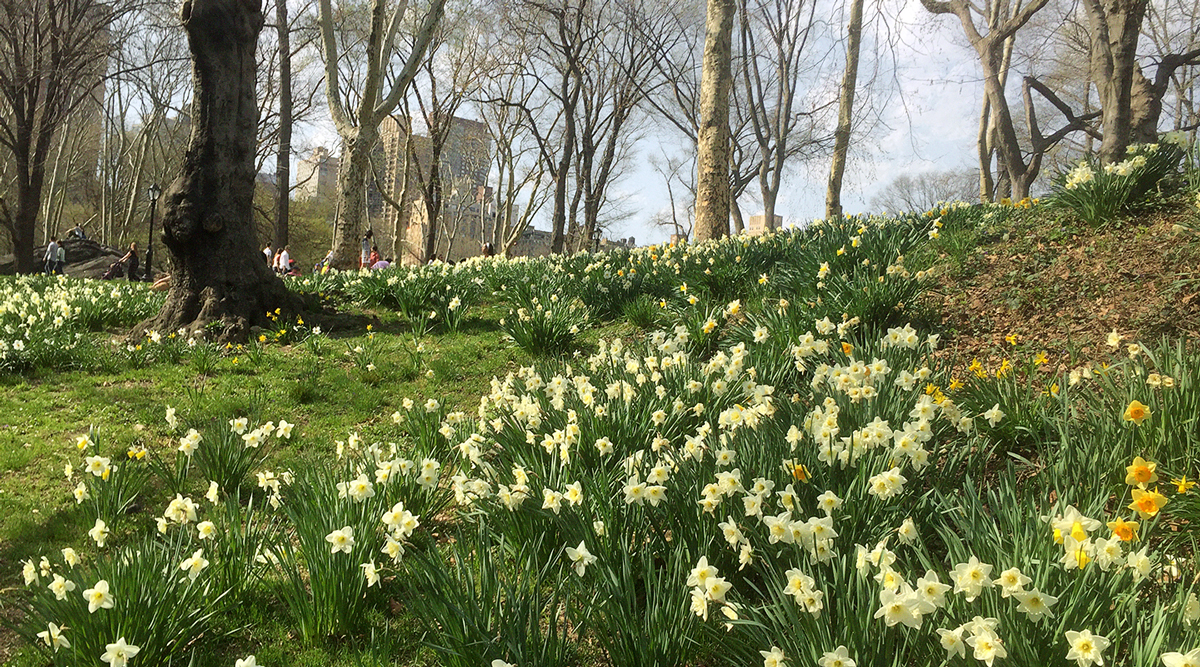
1183 484
800 472
1147 503
1125 530
847 348
1137 412
1040 359
955 383
1140 472
1011 339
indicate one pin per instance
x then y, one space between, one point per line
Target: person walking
268 255
283 262
60 260
51 257
132 257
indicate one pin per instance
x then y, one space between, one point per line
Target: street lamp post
152 194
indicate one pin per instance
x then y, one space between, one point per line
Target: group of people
281 261
370 257
56 255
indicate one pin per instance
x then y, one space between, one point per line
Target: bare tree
217 272
998 23
773 35
1173 26
675 99
53 61
1130 101
921 192
358 127
283 160
841 139
679 176
522 185
448 77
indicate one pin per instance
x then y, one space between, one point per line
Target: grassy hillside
694 455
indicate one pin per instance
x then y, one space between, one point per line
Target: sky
929 124
932 127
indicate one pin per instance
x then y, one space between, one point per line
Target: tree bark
283 161
712 178
841 136
217 271
1115 27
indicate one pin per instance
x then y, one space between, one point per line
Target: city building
466 217
757 224
316 176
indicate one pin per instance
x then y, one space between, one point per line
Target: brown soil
1062 289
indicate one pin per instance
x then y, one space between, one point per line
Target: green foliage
155 605
1098 193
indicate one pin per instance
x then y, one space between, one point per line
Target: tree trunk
283 162
841 136
25 226
348 228
735 216
1115 27
716 80
987 186
217 272
559 220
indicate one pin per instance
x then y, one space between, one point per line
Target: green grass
45 411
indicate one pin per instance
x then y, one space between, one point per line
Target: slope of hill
1064 288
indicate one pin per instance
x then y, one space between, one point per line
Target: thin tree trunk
841 136
283 162
987 186
716 80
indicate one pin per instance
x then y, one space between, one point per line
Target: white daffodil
119 653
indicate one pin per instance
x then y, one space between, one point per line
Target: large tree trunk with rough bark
716 80
217 271
841 136
1115 26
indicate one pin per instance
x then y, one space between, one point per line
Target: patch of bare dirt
1063 289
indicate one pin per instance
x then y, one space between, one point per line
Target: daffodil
580 557
118 654
1147 503
1035 604
1126 531
99 533
839 657
98 597
1140 472
195 564
1086 648
1183 485
1176 659
54 638
773 658
1137 412
341 540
